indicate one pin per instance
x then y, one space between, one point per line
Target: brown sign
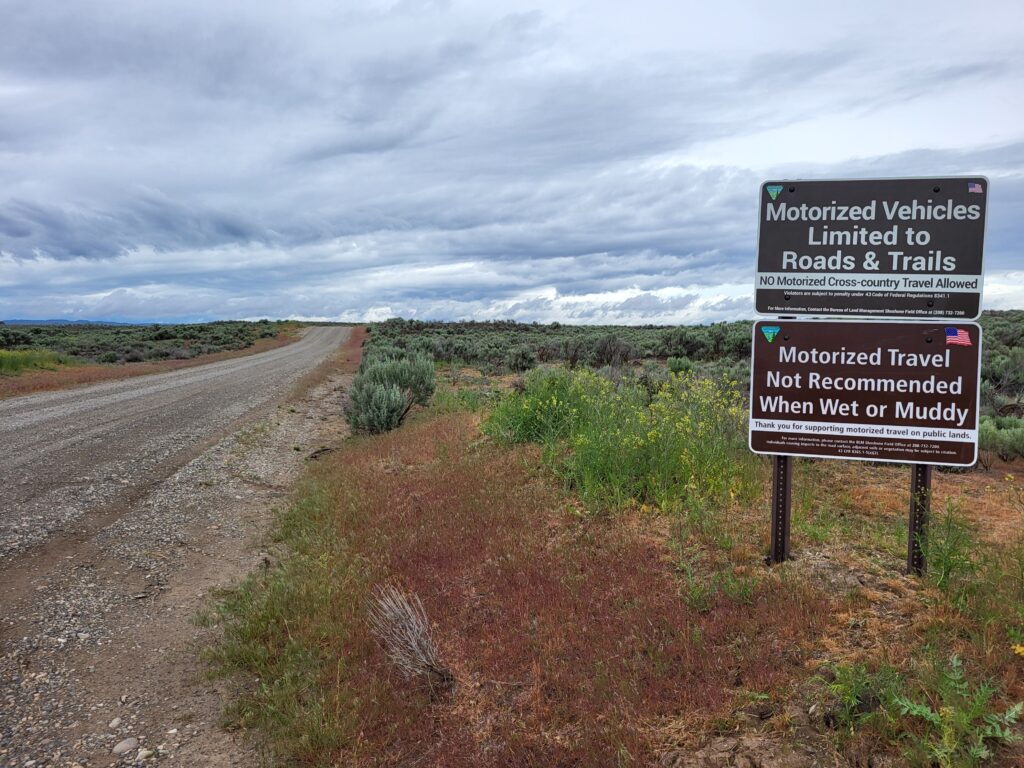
866 390
872 247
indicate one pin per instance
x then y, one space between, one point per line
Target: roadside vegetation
572 564
719 350
389 382
13 362
137 343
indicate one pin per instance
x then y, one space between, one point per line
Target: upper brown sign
866 390
872 248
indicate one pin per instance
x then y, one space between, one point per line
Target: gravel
84 451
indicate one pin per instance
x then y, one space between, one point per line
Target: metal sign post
781 504
920 503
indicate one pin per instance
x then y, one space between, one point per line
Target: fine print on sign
905 392
872 248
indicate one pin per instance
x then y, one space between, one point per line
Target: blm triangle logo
773 192
770 332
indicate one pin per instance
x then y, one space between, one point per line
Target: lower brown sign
905 392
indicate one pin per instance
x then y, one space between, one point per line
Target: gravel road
70 454
122 505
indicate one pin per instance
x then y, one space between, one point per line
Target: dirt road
121 505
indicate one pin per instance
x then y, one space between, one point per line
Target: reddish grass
569 637
93 373
352 351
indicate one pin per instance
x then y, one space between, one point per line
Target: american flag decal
973 186
958 336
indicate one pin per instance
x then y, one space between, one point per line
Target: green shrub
615 443
652 378
1002 435
138 342
414 373
611 350
680 365
390 379
378 353
375 406
520 359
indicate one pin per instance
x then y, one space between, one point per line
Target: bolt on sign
904 392
872 248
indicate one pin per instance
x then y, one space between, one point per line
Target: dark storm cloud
204 160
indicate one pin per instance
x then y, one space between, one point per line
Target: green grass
318 591
13 362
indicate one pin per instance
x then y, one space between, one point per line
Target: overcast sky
571 161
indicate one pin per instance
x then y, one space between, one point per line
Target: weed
960 721
737 587
399 622
859 695
449 400
615 444
949 548
315 592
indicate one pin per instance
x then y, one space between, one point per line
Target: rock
144 753
125 746
114 723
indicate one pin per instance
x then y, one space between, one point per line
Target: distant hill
66 322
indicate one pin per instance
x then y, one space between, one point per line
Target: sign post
907 252
781 504
920 502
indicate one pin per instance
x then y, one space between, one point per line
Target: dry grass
570 638
400 624
82 375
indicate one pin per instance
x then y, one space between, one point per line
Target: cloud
438 159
